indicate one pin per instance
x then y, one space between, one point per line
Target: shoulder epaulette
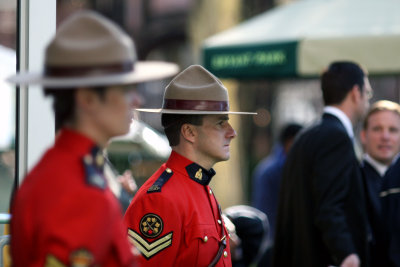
93 164
164 177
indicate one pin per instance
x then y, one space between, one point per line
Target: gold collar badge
199 174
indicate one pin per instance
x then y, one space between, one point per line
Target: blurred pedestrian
123 186
64 214
380 137
390 201
267 177
267 180
322 218
174 219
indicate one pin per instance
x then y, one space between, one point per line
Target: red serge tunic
175 220
64 214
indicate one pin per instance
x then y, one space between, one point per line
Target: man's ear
189 132
355 93
86 98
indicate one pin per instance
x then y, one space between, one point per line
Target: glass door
8 36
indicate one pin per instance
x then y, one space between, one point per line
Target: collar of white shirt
343 119
379 167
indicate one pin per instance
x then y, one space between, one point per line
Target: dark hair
172 124
289 131
339 79
64 103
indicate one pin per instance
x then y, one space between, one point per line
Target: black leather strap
222 246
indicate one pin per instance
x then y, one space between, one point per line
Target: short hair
64 103
289 131
382 105
172 124
338 80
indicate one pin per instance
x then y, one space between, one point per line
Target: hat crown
91 50
195 91
196 83
88 39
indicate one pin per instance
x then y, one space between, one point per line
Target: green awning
252 61
302 38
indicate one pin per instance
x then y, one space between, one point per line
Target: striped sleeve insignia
149 249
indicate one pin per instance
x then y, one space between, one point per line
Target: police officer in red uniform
64 214
175 219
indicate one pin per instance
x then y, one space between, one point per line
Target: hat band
95 70
204 105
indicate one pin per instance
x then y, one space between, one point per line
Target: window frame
35 124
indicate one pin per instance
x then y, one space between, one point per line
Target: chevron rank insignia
149 249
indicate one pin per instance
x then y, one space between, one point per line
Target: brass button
210 192
225 254
205 239
168 170
219 221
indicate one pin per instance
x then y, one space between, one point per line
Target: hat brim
192 112
143 72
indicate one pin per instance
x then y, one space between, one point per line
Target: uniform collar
195 172
74 142
80 146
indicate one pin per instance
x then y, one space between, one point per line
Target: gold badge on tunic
151 225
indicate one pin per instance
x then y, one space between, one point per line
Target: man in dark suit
322 217
380 137
390 200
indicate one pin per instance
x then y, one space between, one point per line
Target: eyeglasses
368 93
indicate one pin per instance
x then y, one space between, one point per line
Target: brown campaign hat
195 91
91 50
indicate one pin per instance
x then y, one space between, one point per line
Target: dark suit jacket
390 197
379 247
321 215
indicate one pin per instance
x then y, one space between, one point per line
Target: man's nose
385 134
231 133
135 100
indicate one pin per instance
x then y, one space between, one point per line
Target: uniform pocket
203 240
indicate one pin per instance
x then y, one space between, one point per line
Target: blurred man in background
380 137
322 218
267 180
